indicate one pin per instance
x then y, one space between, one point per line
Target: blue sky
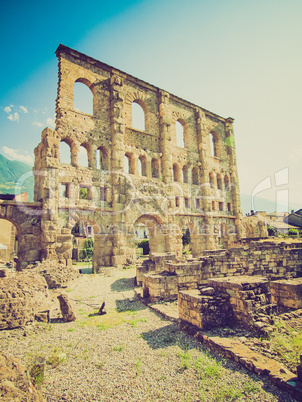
236 58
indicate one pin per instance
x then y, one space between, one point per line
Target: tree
186 238
83 194
144 244
88 249
271 231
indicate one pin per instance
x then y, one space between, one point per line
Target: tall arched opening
9 243
156 231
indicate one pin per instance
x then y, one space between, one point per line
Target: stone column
165 136
230 144
122 251
207 241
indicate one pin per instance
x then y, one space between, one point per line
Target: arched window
226 183
126 164
213 144
65 152
155 167
176 173
102 158
83 156
212 179
180 135
185 176
142 166
219 182
83 97
129 163
138 116
195 175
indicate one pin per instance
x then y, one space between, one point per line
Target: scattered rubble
56 275
15 384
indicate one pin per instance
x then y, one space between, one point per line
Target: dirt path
129 354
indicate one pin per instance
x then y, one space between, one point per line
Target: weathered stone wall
26 218
268 259
167 187
21 297
287 293
205 308
245 300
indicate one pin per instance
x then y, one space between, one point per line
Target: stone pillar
208 239
165 136
123 251
230 144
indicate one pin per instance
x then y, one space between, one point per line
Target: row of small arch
133 165
140 120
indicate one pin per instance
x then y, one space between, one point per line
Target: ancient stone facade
171 181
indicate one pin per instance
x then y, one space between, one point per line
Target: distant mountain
262 204
13 178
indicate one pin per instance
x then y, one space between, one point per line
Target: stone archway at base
157 233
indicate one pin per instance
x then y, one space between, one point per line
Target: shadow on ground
167 336
122 285
130 304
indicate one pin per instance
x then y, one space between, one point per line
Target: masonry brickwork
166 186
152 176
163 280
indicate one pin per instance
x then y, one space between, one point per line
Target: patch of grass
138 366
208 368
118 348
287 343
185 358
103 327
226 393
100 365
134 323
70 330
36 372
250 387
56 358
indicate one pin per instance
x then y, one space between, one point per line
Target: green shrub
144 244
271 231
293 232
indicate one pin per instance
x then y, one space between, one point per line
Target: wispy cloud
13 116
15 155
24 109
7 109
37 123
50 122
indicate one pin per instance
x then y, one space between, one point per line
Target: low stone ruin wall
268 259
205 308
162 286
155 264
287 293
22 295
242 299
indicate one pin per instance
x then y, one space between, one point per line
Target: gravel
129 354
